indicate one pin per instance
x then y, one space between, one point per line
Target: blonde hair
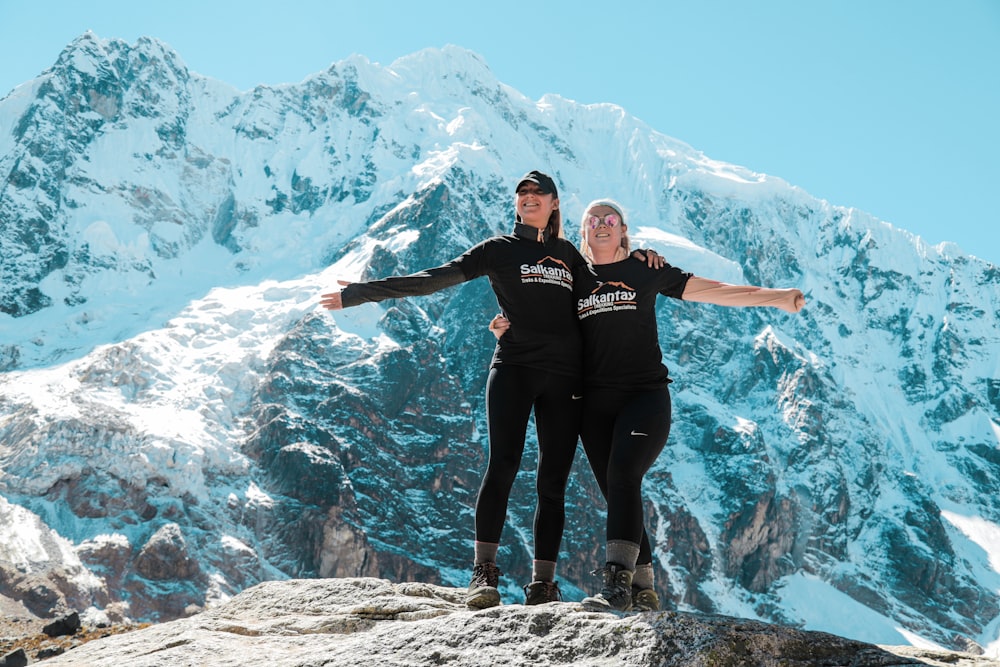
626 246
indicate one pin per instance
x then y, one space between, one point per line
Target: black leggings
623 432
511 392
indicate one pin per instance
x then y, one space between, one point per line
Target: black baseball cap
543 181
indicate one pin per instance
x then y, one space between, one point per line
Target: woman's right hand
333 300
499 325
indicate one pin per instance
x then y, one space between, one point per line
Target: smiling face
606 233
602 239
534 207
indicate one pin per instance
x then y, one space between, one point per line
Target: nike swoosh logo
575 397
634 432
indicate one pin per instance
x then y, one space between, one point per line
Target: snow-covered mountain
179 420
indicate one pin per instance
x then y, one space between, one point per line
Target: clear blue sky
890 106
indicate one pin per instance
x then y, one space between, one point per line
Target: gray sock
623 553
543 570
486 552
643 577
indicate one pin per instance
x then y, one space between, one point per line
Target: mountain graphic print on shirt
548 270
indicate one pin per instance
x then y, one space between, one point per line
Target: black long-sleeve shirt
618 317
532 276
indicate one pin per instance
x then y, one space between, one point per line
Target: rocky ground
347 622
20 629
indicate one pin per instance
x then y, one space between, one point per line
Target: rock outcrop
367 621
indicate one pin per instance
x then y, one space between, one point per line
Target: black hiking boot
540 592
483 591
645 599
617 592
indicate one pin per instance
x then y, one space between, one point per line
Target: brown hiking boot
540 592
645 599
617 592
483 591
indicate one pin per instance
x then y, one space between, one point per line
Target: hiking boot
617 592
645 599
540 592
483 591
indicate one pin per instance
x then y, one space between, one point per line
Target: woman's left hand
793 302
653 259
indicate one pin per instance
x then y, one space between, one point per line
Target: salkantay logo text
549 271
621 297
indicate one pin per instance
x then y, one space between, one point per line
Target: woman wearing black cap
626 416
538 367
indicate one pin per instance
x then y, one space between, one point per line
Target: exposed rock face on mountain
370 621
179 421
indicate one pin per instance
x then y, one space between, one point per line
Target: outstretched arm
704 290
396 287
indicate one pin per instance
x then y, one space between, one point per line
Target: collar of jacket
530 233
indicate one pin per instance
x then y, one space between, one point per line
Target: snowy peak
111 78
433 71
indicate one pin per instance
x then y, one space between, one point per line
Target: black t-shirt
533 283
618 316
